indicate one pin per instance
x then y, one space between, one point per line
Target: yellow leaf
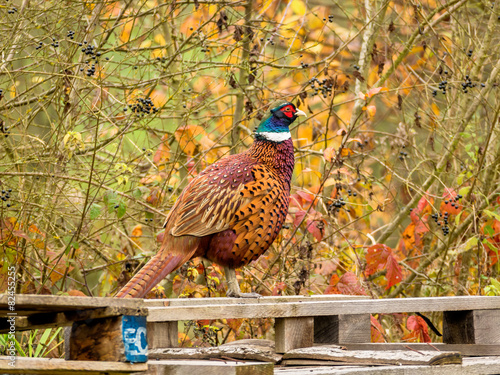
159 39
127 29
371 110
298 7
145 44
435 109
188 138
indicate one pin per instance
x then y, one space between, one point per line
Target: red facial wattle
288 110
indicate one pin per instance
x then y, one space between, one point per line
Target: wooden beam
471 327
239 301
66 318
465 349
470 366
320 308
27 304
55 366
342 329
372 357
163 335
207 367
293 333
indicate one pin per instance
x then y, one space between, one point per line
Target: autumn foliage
395 188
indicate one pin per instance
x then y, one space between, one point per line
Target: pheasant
232 211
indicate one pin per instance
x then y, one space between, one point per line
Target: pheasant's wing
223 196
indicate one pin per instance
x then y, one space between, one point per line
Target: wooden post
471 327
293 333
162 335
119 338
342 329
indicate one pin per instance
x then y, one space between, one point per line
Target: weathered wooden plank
369 357
247 350
52 366
471 327
27 304
470 366
321 308
238 301
340 329
292 333
66 318
476 350
120 338
162 335
207 367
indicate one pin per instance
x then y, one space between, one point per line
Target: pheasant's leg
233 289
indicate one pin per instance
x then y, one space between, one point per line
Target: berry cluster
467 84
12 11
453 202
444 226
337 204
325 87
71 34
142 106
442 86
40 45
330 18
6 196
351 193
3 129
469 54
54 43
89 50
403 155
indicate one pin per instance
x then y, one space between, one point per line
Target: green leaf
488 230
472 242
460 179
464 191
95 211
120 211
111 200
495 283
492 214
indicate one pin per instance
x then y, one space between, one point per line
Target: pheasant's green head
275 127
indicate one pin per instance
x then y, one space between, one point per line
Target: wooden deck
272 307
313 335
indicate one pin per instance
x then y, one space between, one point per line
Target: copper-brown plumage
231 212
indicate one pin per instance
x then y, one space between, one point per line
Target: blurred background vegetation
109 108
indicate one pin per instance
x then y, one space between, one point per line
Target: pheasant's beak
300 113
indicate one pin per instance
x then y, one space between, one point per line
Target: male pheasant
232 211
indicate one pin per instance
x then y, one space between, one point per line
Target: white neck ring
275 137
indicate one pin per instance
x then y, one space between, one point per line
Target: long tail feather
151 274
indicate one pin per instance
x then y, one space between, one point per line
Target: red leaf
350 284
377 330
380 256
394 273
423 207
418 329
299 215
312 227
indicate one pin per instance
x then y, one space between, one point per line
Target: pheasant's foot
230 293
233 289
